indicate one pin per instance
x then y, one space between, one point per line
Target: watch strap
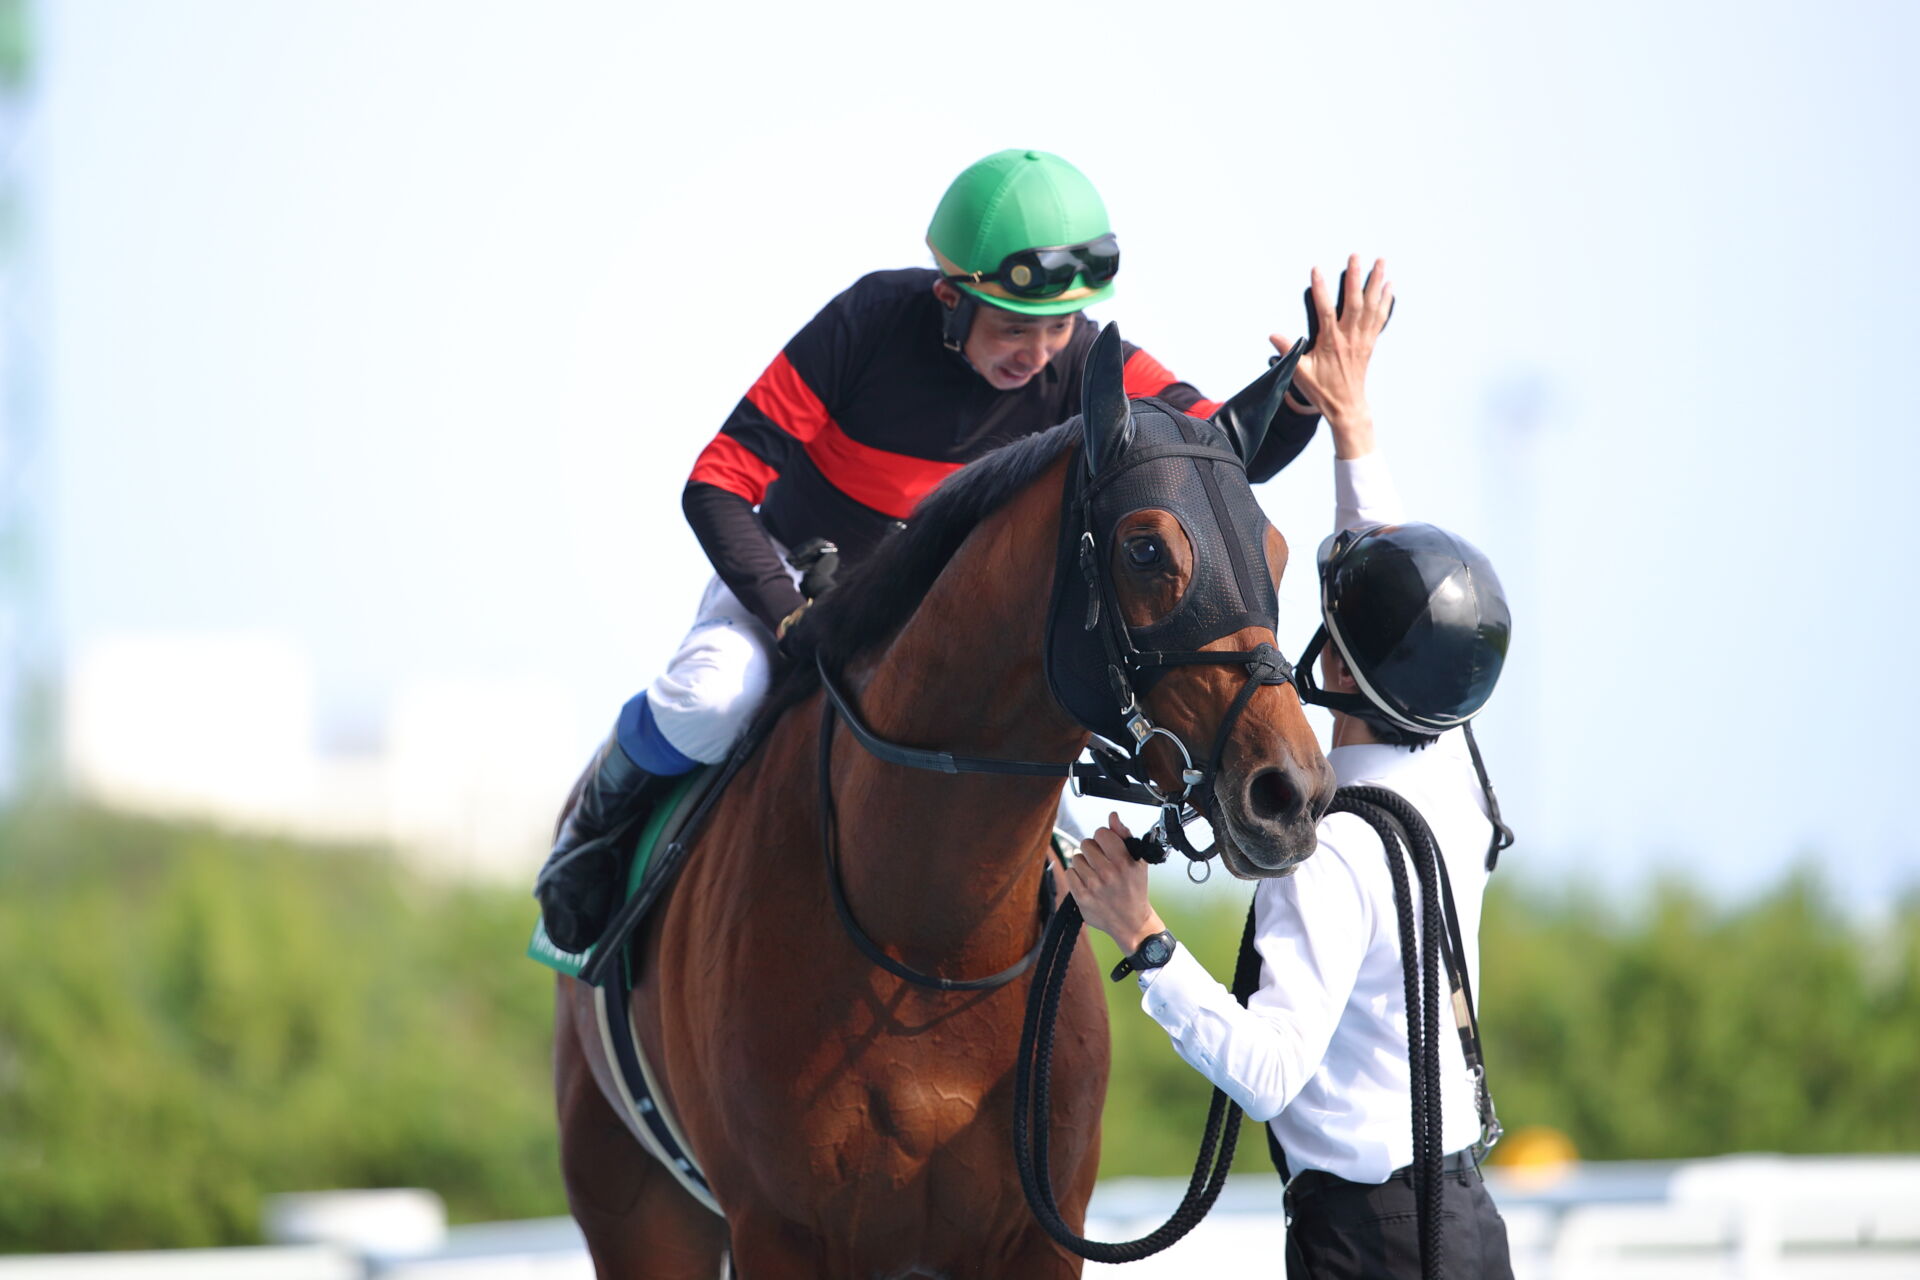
1138 963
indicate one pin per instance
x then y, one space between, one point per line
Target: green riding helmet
1026 231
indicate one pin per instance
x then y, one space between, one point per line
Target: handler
893 386
1418 628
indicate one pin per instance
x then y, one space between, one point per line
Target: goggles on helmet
1049 272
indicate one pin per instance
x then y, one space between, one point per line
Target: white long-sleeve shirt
1320 1050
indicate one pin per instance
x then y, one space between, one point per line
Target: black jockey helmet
1420 619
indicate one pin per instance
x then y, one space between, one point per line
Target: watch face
1157 950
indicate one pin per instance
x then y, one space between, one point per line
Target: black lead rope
1404 833
1033 1106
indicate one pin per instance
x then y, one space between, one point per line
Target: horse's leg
639 1222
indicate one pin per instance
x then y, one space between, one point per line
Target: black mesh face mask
1146 454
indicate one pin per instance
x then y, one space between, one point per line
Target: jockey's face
1007 348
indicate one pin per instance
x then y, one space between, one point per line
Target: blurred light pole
1515 728
25 684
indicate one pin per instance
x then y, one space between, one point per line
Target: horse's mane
869 602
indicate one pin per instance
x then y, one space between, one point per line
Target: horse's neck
933 857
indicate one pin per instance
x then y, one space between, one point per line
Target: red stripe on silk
892 483
1145 376
784 396
727 464
1202 408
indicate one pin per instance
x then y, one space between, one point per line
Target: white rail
1738 1217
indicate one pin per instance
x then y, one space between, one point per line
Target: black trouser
1339 1229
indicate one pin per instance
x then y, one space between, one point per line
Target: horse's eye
1143 551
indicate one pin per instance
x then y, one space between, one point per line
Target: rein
830 842
1104 776
1095 778
1032 1106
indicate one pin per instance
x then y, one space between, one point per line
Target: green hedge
1668 1029
191 1020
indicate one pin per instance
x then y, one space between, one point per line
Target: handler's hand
1110 885
1334 374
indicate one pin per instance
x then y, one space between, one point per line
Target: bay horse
849 1123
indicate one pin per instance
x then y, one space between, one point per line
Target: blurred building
464 780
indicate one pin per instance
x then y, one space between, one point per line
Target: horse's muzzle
1267 818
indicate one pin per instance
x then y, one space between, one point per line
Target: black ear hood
1187 467
1106 419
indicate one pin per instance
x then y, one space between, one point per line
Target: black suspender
1404 833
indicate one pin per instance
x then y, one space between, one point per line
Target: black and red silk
864 412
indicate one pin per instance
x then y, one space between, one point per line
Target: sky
394 328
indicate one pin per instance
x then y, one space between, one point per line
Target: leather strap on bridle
1106 775
829 841
1125 662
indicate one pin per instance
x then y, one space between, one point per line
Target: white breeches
717 678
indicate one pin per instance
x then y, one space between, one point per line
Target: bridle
1130 667
1099 667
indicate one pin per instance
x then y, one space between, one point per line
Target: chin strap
956 322
1502 833
1354 704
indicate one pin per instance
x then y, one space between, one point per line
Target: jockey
894 385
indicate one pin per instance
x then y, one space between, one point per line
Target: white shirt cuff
1176 988
1364 492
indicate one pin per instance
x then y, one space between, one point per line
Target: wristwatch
1153 953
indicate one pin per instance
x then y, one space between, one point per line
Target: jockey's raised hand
1333 374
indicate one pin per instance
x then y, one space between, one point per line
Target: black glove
818 561
1248 414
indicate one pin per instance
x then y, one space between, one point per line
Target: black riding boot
580 886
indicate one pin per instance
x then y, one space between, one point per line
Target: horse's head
1161 632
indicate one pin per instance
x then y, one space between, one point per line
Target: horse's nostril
1272 796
